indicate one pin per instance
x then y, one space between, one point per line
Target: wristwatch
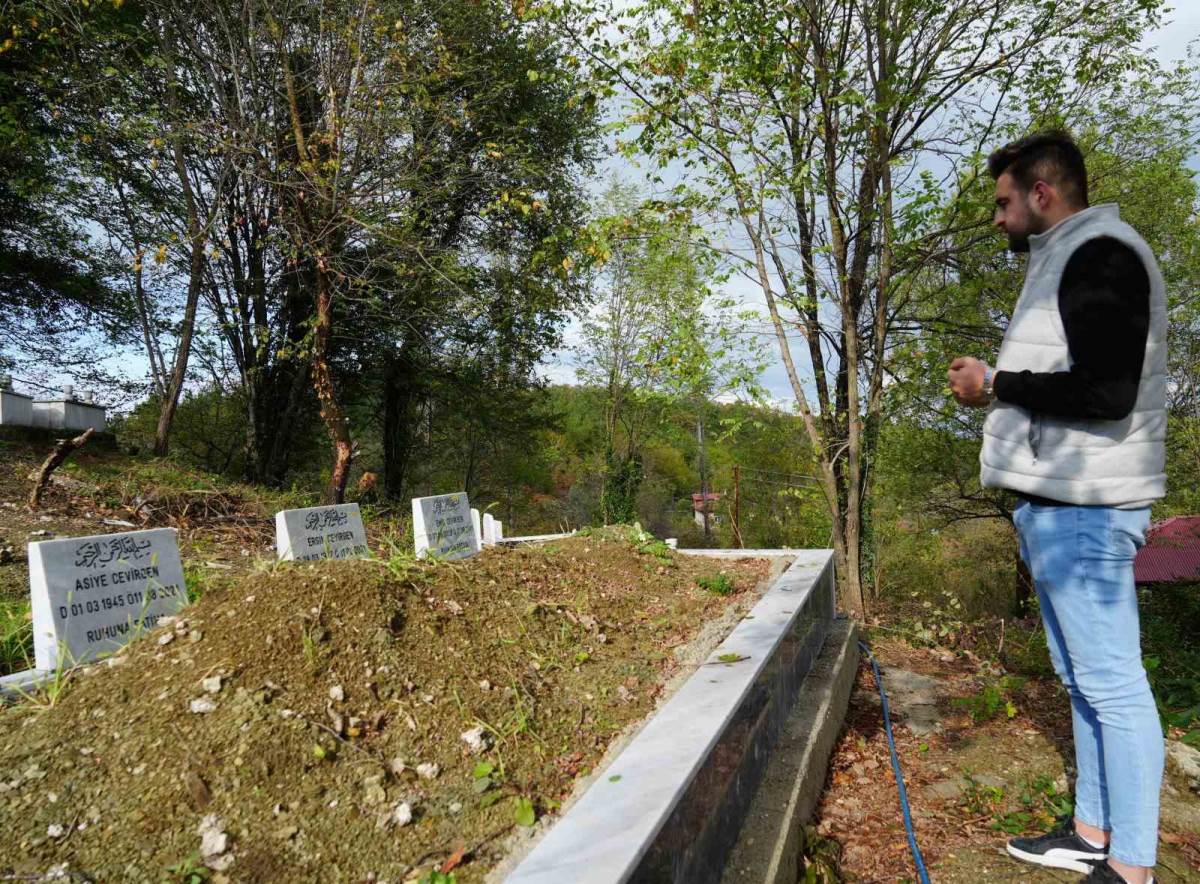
989 377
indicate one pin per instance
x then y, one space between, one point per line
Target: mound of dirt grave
354 721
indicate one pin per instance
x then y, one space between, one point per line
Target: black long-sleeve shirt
1104 301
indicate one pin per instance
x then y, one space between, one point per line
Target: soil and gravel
972 784
223 528
353 721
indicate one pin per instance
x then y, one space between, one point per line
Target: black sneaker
1061 849
1103 873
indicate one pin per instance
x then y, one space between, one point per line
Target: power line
30 383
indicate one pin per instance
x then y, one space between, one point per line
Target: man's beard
1018 243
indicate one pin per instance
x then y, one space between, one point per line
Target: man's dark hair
1052 157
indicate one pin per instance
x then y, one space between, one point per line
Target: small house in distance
1171 553
706 505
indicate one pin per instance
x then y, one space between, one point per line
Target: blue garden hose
887 723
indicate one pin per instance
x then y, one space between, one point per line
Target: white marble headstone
91 595
442 525
477 523
321 532
489 529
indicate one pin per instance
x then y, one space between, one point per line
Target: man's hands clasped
967 376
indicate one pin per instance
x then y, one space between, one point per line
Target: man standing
1076 427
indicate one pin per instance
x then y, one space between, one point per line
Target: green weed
980 799
939 620
1172 661
994 698
647 544
717 584
1040 805
16 637
189 871
819 858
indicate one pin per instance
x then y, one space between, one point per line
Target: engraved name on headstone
442 525
91 595
321 532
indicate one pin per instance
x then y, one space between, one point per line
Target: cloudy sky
1169 43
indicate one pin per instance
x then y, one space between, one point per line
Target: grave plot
222 530
333 721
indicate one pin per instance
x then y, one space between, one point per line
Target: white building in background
65 412
69 412
16 409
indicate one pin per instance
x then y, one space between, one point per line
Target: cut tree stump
64 449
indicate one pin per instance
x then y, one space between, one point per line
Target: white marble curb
607 834
18 684
534 538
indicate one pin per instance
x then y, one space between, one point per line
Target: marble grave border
670 805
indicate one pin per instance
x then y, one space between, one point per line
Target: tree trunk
275 466
158 371
195 267
703 473
179 368
336 422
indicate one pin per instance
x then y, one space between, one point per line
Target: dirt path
972 782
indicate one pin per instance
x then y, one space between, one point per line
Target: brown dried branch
64 449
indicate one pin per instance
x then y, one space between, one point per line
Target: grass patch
1038 804
717 584
16 636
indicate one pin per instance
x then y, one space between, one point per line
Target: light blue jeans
1081 559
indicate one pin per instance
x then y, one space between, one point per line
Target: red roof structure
1171 553
698 501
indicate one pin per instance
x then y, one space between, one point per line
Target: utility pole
737 511
703 471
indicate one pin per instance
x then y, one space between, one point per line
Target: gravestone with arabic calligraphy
91 595
442 526
321 532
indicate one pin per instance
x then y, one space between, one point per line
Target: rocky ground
985 756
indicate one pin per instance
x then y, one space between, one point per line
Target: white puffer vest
1099 462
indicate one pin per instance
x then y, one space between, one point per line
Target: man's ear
1043 195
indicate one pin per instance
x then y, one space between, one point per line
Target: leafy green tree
55 282
802 130
654 333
